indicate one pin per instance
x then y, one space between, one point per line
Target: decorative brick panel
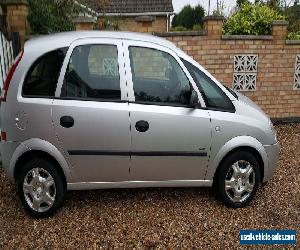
110 66
297 73
245 70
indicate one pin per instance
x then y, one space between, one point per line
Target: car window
93 73
214 97
42 77
158 78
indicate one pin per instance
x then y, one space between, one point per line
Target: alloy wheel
240 181
39 189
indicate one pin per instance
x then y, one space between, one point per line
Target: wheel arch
41 149
253 151
244 143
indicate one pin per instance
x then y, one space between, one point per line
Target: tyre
41 188
237 179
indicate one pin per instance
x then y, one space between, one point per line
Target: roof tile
131 6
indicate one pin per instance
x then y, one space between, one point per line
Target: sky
228 4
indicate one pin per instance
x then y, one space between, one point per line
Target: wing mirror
194 101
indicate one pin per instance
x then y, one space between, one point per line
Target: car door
90 111
170 138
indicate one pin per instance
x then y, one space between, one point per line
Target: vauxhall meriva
92 110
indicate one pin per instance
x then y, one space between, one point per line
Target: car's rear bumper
7 151
273 156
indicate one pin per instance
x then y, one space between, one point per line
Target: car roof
64 39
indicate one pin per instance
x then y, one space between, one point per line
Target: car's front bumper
273 156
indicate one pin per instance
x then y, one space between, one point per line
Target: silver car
93 110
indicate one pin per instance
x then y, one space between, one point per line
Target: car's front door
170 139
90 112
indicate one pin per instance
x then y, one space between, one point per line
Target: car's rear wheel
237 179
41 187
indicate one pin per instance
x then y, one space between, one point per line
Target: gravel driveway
173 218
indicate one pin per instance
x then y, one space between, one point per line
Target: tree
189 16
293 17
274 4
289 8
50 16
239 3
220 8
199 13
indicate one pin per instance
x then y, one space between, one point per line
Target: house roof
131 6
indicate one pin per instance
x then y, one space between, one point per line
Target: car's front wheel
41 187
237 179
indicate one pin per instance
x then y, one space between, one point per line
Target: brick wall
17 11
149 64
275 68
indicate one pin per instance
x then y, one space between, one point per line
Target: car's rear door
90 112
170 139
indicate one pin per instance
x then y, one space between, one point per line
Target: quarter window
93 73
158 78
42 77
214 97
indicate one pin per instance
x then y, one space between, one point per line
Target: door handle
142 126
67 121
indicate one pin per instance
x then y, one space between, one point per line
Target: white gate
6 60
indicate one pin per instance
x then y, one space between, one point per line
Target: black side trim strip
168 153
96 152
149 153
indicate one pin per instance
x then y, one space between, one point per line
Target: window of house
158 78
93 73
41 79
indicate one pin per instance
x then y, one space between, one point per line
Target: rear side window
213 96
93 73
42 77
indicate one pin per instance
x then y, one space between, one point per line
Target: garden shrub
294 36
252 19
179 28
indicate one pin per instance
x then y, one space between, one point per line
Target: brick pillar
213 26
17 12
84 23
279 30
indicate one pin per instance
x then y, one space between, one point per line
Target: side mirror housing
194 102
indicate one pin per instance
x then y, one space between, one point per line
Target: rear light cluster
9 77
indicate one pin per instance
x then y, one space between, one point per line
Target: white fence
6 57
